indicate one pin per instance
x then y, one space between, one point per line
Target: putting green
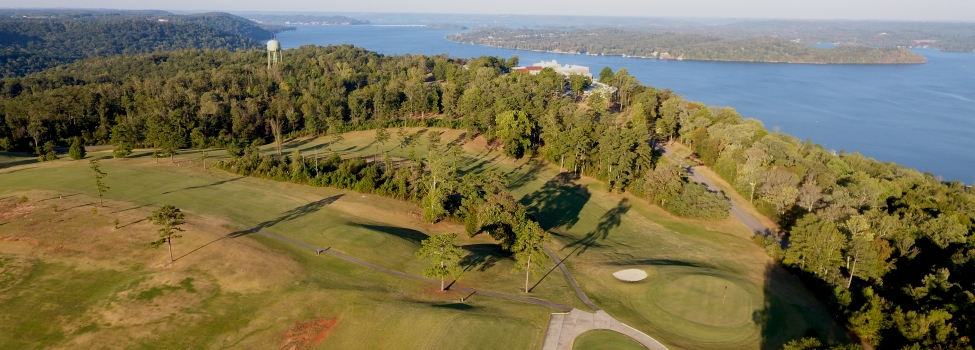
706 300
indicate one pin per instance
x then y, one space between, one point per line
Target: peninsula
682 46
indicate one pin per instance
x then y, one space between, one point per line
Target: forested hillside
687 46
888 249
33 43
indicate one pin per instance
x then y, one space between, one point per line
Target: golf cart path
563 327
736 210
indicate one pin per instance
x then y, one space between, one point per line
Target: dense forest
36 41
687 46
888 249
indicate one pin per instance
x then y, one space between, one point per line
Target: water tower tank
273 53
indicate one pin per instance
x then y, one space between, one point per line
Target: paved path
345 257
737 211
565 327
572 281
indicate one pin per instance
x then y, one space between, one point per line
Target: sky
925 10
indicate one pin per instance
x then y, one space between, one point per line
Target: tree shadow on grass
534 169
401 232
288 215
610 220
479 164
558 203
459 141
482 256
132 208
16 170
79 206
221 182
658 262
132 223
549 272
296 143
791 311
456 306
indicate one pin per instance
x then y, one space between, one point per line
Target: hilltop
35 40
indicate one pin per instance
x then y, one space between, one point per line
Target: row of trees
887 247
221 99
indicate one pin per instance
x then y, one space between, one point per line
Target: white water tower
273 52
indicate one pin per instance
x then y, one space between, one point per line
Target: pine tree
77 150
444 257
99 175
169 218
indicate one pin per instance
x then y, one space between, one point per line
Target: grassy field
605 340
708 285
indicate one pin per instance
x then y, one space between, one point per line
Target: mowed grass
709 286
733 296
104 288
605 340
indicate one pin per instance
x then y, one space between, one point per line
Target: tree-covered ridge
304 19
33 44
947 36
887 248
687 46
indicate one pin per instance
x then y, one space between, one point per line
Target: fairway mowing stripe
423 279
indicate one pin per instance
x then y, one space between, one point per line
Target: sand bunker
630 275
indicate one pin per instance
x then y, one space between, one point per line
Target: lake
920 116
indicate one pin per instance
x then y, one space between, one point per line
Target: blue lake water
920 116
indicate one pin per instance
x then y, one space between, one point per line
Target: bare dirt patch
305 335
15 210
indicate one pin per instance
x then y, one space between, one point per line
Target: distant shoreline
682 46
690 59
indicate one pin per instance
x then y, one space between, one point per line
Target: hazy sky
945 10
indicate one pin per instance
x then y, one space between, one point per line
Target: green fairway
104 286
598 233
708 285
605 340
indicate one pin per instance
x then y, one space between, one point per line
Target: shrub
77 150
696 201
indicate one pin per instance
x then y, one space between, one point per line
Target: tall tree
606 75
382 135
528 248
514 129
200 142
99 175
443 255
168 218
872 318
277 127
441 181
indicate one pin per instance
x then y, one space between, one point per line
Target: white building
566 70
